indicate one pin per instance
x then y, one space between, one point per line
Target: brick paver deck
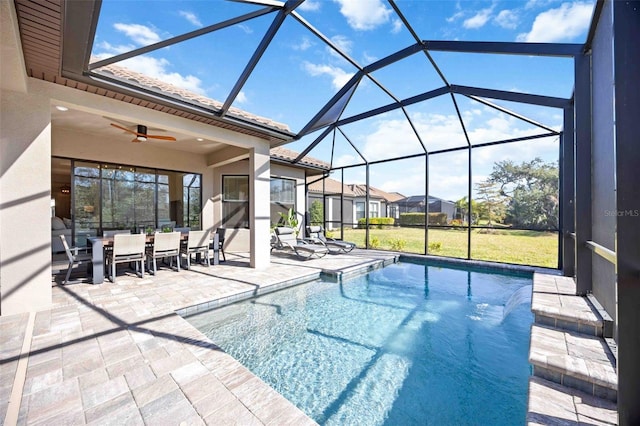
119 354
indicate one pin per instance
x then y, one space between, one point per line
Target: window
373 209
283 198
113 196
359 210
235 201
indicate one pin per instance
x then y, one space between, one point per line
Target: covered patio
58 100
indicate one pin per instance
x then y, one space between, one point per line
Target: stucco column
25 200
259 205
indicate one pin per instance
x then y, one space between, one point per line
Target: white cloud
191 17
346 160
111 50
140 34
364 14
455 16
158 69
538 3
247 29
479 19
507 19
304 44
310 6
339 76
242 98
561 24
397 26
343 43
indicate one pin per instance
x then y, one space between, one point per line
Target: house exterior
416 204
353 196
61 158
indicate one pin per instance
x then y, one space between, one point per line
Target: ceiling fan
142 135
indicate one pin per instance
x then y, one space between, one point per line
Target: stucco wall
80 145
238 240
25 194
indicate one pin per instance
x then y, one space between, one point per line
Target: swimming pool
406 344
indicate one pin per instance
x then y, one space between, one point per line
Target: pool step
574 360
555 304
553 404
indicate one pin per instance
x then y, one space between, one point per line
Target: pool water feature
406 344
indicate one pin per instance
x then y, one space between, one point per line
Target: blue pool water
407 344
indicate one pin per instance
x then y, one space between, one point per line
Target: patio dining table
98 245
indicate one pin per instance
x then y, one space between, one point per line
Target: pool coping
330 274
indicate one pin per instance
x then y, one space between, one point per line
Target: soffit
40 23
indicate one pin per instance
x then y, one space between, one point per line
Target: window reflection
109 196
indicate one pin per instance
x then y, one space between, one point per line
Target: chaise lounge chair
316 236
285 239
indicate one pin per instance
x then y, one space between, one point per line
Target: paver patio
119 353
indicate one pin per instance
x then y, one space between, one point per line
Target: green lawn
520 247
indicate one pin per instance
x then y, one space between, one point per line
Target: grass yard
510 246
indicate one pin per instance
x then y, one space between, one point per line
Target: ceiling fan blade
164 138
124 128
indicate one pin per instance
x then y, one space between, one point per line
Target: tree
462 205
316 211
492 205
530 190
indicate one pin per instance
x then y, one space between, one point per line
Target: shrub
435 246
373 243
457 222
398 244
417 219
378 222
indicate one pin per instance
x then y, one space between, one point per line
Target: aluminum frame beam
583 158
257 54
182 37
523 98
626 16
567 193
568 50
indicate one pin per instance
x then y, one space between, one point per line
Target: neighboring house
416 204
331 191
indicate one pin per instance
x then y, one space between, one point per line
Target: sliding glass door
112 196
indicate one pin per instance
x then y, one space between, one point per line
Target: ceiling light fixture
62 108
199 139
141 138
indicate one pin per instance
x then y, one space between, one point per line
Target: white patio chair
74 256
127 248
197 243
165 244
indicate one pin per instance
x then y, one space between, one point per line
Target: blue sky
299 73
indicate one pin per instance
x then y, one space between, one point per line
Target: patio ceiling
54 35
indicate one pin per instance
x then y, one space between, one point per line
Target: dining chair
197 243
74 256
127 248
221 233
165 244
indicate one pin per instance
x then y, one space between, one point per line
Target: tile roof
288 155
332 186
133 77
